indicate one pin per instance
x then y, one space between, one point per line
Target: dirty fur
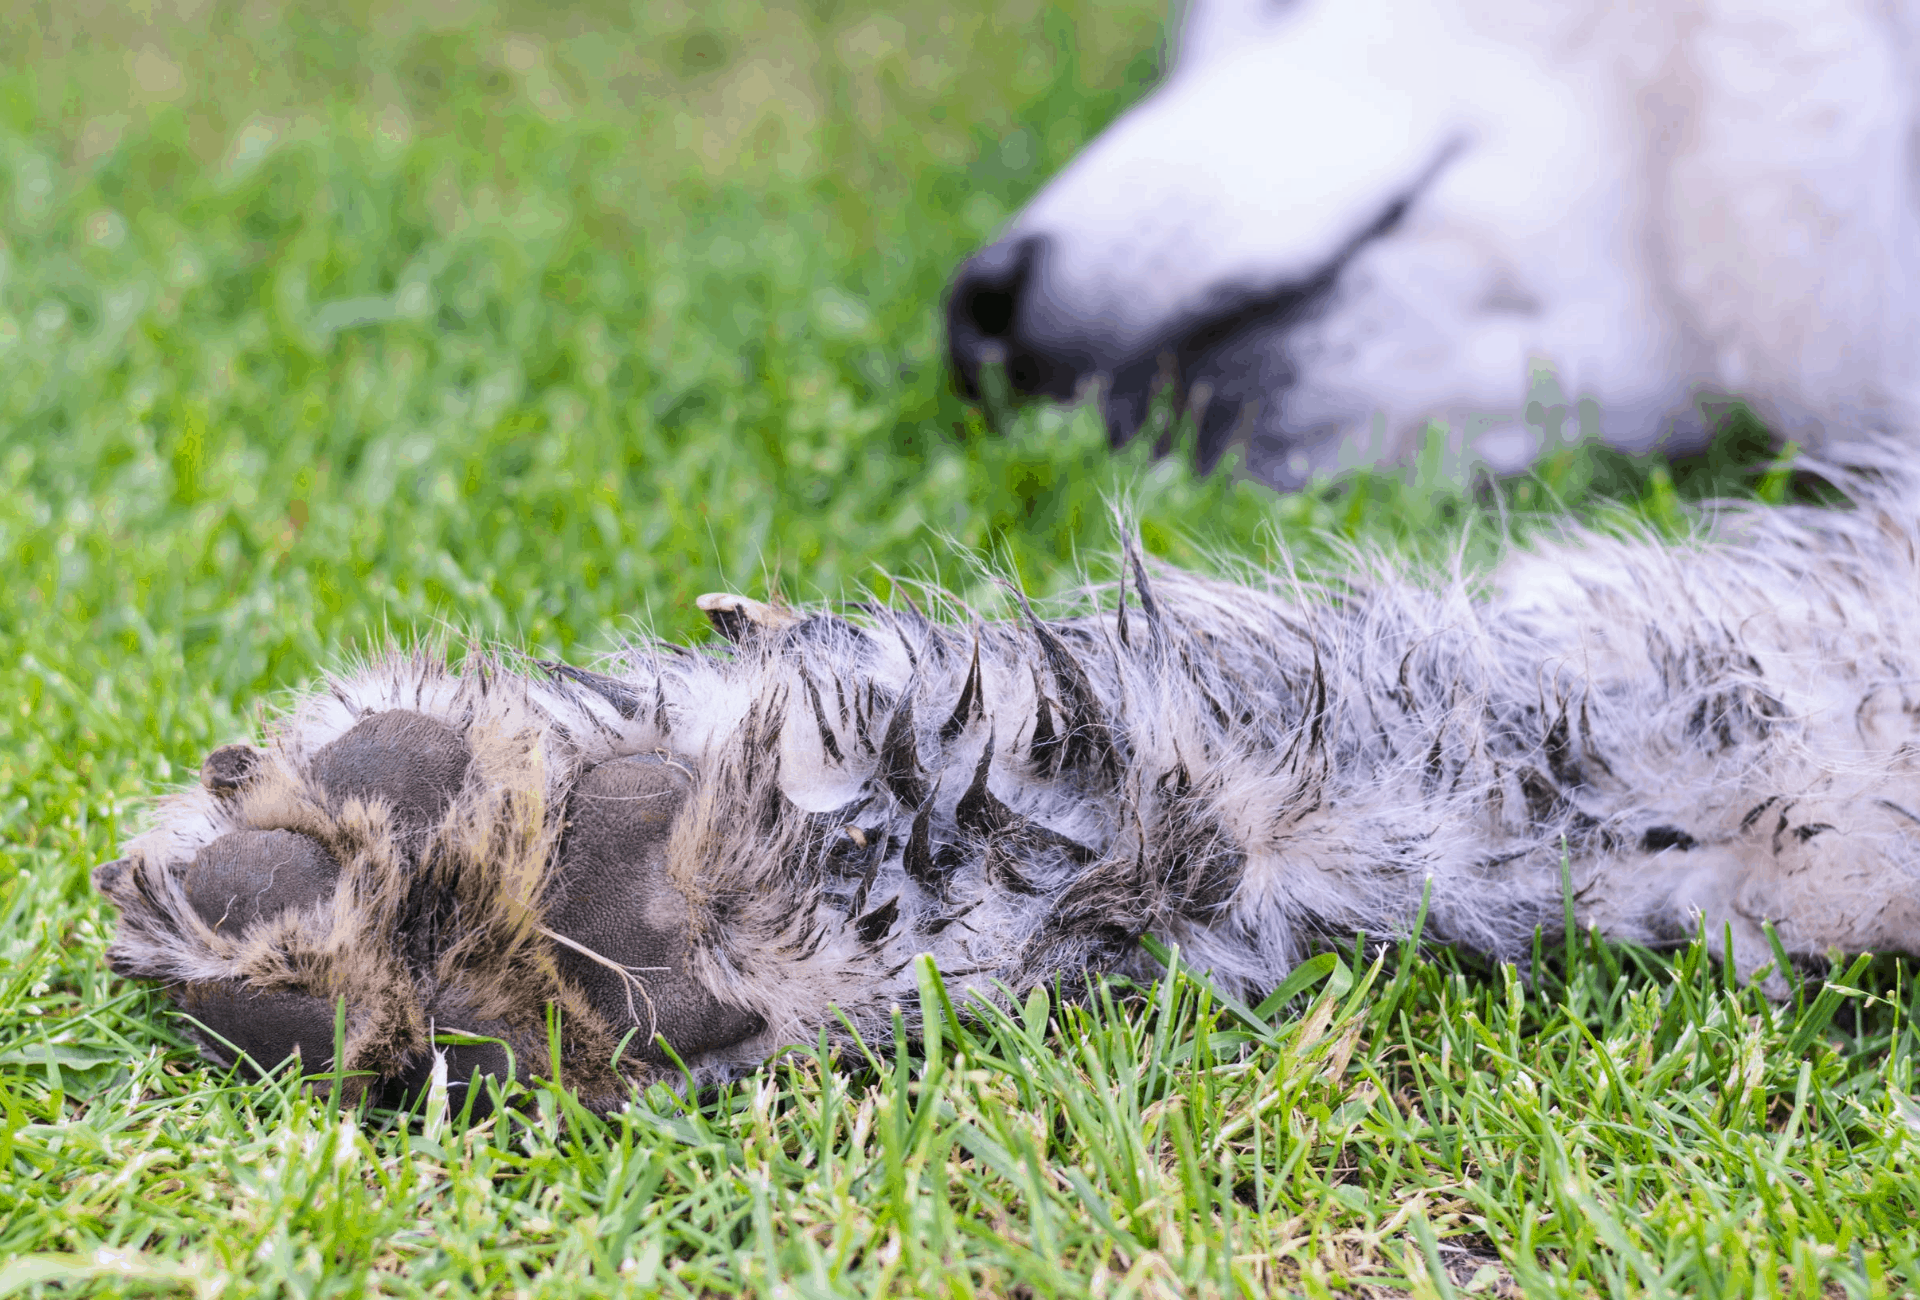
1710 735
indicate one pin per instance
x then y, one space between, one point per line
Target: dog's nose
989 317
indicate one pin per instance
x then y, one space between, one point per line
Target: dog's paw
693 861
429 864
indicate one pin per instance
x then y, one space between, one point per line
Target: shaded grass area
324 325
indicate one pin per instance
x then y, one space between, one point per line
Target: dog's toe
268 1026
229 768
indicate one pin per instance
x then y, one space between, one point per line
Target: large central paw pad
422 877
621 924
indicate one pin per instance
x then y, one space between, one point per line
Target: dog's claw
228 768
736 617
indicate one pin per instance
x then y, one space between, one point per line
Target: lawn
327 325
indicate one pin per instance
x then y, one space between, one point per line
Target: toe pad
413 763
246 875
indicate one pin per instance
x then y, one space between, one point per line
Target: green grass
324 325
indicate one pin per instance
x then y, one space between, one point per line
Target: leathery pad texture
726 850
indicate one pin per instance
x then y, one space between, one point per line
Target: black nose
989 322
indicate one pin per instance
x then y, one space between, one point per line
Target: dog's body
736 849
1336 222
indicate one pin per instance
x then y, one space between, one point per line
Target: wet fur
1717 733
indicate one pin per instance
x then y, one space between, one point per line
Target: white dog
1339 220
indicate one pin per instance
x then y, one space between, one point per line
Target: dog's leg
1834 875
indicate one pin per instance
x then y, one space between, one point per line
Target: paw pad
266 1025
623 923
246 875
486 893
413 763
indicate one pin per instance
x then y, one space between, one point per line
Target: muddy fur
1717 734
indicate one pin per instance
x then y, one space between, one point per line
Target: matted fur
1712 733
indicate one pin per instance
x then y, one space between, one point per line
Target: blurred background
319 321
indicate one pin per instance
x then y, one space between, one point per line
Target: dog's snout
988 321
987 290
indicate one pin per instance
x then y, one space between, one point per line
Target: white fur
1717 734
1621 217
